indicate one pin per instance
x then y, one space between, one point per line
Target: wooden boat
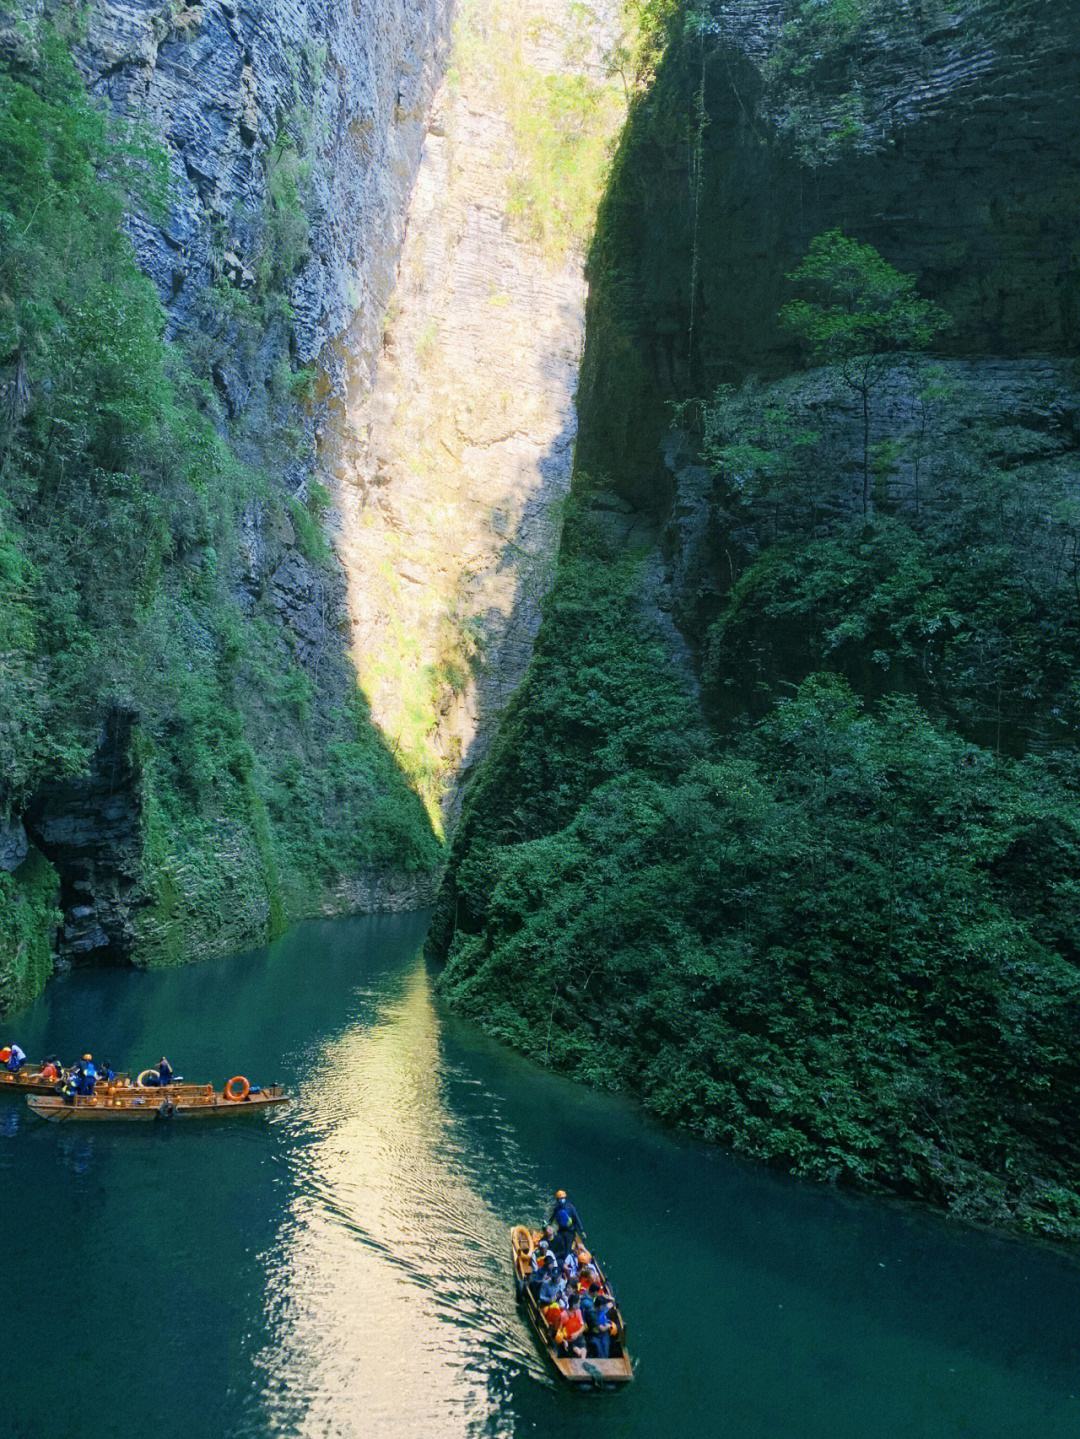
28 1080
584 1373
133 1105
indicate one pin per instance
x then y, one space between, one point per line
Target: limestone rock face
452 470
221 83
14 845
89 828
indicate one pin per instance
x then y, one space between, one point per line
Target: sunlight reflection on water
387 1290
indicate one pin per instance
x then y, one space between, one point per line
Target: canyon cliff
780 831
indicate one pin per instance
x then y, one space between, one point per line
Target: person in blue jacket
603 1329
86 1076
165 1072
566 1222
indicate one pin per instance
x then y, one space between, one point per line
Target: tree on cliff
861 315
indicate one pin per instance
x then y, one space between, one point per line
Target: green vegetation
825 910
843 940
564 124
863 316
28 915
121 567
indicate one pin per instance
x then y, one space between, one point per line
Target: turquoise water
340 1268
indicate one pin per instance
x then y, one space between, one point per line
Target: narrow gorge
540 634
609 472
366 232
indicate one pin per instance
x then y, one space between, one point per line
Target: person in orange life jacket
587 1276
553 1315
567 1223
538 1255
50 1069
5 1054
571 1336
604 1328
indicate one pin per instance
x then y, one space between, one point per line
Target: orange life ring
229 1091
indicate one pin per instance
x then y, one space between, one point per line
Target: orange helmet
560 1194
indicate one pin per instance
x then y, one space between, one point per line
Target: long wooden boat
134 1106
583 1373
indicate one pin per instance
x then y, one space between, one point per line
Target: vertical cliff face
454 465
291 134
230 88
795 764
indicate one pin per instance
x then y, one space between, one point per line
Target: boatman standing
567 1224
165 1072
86 1076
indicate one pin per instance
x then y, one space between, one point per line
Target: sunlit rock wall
452 470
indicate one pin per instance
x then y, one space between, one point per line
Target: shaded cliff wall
804 917
291 134
756 138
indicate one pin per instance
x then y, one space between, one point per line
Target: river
339 1269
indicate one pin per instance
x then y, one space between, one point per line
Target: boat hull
149 1106
582 1373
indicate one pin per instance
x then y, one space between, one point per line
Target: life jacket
573 1324
553 1313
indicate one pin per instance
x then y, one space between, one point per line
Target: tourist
605 1327
571 1337
552 1287
16 1059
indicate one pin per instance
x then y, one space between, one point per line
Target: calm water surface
340 1270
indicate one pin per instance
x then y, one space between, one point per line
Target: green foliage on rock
125 585
28 915
829 915
863 316
847 944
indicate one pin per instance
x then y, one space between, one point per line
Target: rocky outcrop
88 828
14 845
292 132
453 467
